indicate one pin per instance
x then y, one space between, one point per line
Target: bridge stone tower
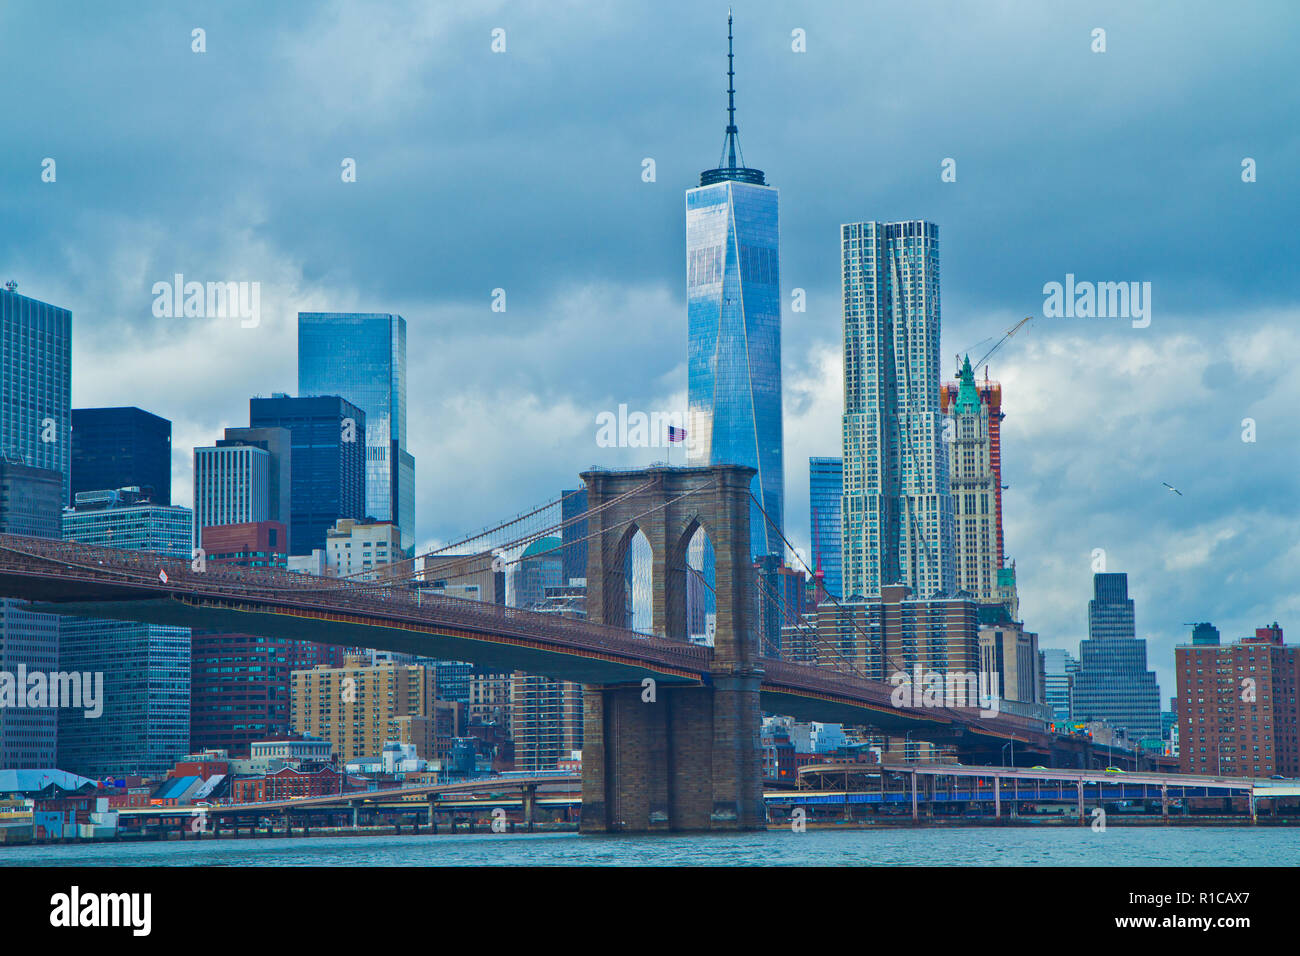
691 758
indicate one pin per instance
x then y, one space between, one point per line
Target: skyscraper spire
732 130
727 163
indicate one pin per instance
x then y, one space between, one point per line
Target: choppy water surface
1063 846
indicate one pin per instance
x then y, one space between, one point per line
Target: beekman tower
733 297
897 511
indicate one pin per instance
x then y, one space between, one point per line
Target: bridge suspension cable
392 569
871 643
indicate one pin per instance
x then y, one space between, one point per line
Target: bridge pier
530 806
673 756
689 760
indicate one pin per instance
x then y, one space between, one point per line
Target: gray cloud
523 171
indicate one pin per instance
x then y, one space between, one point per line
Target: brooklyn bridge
671 728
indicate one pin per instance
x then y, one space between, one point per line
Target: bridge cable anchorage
870 641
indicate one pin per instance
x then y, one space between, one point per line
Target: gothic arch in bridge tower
692 560
637 567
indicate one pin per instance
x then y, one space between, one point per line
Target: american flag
676 434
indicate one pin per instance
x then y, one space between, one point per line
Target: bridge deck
84 580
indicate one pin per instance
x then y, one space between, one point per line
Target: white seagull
1172 488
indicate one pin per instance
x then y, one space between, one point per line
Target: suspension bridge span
670 728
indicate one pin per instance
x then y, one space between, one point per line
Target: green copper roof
968 397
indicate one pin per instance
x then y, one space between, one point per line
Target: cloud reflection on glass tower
734 319
362 357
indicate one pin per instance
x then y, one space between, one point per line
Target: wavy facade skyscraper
898 511
733 295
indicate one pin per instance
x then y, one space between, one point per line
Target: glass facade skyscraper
898 512
733 300
35 403
825 490
1059 668
362 357
573 503
328 454
120 448
35 434
1113 683
145 723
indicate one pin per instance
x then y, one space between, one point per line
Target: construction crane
1000 342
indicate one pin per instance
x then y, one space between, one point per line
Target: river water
968 846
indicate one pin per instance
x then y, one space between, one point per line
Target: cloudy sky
522 170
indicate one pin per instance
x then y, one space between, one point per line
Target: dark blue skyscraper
328 461
1113 683
362 357
825 491
733 296
121 448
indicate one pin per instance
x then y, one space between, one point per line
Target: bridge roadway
933 784
567 784
920 784
89 581
1196 785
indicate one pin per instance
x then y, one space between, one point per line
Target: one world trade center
734 320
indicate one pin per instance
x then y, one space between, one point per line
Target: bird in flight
1172 488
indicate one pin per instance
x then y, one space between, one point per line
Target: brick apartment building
1237 713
